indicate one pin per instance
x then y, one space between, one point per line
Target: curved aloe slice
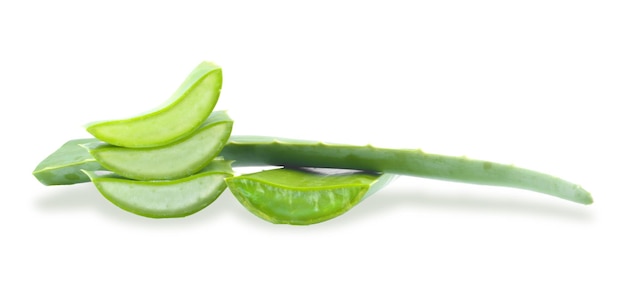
302 197
182 158
164 199
186 109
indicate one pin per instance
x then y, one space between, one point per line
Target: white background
535 83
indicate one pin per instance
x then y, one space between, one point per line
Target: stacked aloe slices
160 164
165 164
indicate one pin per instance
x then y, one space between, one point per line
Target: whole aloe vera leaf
303 196
259 150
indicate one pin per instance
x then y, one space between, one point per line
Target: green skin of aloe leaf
183 158
167 198
303 197
185 111
255 151
63 166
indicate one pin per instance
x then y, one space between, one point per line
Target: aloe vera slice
63 165
180 159
302 196
186 109
165 198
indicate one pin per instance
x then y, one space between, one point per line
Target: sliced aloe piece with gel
63 165
303 196
186 109
164 198
180 159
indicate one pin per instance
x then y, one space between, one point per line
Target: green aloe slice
180 159
166 198
63 165
186 109
303 196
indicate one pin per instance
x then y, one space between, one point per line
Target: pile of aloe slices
177 159
165 164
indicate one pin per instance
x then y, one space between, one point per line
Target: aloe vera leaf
63 166
180 159
255 150
164 198
259 150
301 196
186 109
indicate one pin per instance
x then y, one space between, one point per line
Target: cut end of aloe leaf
299 197
63 165
185 111
166 198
